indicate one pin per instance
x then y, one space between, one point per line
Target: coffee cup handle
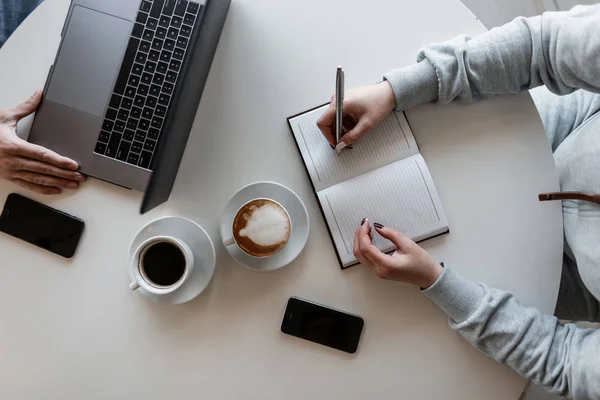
229 242
134 285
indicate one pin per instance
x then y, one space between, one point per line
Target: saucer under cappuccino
261 227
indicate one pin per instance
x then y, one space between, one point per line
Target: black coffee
163 263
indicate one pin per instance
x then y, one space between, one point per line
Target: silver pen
339 105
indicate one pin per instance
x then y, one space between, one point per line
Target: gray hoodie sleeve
559 50
562 358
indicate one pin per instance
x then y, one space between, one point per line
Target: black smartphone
322 325
40 225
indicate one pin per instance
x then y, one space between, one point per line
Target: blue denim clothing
12 13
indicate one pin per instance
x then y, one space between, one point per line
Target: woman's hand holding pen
366 107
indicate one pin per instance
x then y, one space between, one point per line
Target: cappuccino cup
161 264
261 228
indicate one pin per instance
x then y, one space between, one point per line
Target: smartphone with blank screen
323 325
40 225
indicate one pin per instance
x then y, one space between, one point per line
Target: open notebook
384 178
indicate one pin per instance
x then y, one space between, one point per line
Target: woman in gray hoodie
562 52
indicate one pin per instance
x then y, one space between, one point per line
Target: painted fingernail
340 146
72 185
377 225
363 221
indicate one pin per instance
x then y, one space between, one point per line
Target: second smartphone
40 225
323 325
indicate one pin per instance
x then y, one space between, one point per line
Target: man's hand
28 165
366 106
410 263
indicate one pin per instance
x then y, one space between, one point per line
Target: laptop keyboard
142 94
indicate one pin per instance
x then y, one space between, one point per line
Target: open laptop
124 89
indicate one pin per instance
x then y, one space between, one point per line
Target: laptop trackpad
89 60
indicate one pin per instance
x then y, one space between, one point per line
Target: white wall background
497 12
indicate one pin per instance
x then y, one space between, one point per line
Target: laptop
125 86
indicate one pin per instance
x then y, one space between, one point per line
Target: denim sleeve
12 13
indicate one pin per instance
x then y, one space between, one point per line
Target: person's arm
558 49
564 359
28 165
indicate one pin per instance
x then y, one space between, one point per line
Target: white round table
73 329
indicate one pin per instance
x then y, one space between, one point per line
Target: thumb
326 124
362 127
403 243
26 108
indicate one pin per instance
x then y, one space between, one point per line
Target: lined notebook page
400 195
391 141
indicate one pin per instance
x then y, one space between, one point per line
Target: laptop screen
186 99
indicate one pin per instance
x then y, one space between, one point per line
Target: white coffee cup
234 241
140 279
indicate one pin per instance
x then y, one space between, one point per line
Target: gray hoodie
562 52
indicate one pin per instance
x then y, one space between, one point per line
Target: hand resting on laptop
28 165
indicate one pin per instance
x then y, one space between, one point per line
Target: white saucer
202 247
295 208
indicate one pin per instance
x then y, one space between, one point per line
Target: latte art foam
266 225
261 227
